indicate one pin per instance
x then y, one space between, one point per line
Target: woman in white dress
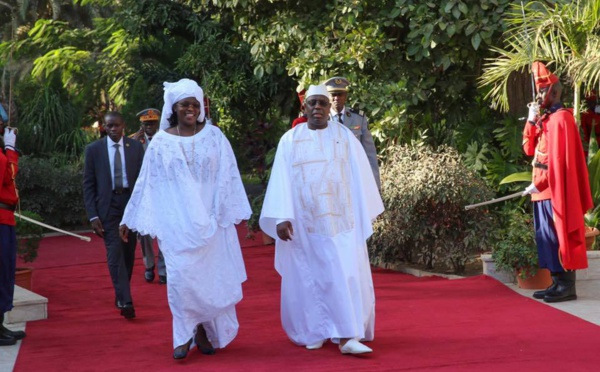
189 195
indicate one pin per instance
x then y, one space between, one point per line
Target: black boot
565 290
17 335
6 337
541 294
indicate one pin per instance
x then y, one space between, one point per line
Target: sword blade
497 200
86 238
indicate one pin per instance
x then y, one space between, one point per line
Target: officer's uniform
357 122
146 241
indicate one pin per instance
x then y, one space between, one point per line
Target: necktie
118 168
340 118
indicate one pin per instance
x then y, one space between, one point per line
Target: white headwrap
175 92
317 90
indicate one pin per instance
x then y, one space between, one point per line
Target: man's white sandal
316 346
354 347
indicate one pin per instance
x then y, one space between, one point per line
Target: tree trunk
520 93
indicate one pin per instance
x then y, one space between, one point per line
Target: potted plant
514 250
28 243
592 218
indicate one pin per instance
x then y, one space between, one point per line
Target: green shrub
28 236
53 189
424 192
514 249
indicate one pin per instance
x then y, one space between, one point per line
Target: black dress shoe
181 351
162 279
17 335
6 340
202 342
149 274
128 312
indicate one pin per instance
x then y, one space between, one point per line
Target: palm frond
563 34
587 68
496 72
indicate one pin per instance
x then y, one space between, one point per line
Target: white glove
531 189
9 138
534 112
597 109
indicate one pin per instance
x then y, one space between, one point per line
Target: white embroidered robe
322 183
189 195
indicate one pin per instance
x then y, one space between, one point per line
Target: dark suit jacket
97 178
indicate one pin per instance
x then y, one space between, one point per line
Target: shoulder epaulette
359 112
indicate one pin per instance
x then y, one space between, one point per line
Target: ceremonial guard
355 120
302 118
9 159
149 119
560 190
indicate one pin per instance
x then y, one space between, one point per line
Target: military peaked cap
337 84
149 114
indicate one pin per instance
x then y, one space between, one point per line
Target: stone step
591 273
28 306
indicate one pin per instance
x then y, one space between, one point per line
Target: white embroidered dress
322 183
189 195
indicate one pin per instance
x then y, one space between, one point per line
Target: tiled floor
8 354
587 305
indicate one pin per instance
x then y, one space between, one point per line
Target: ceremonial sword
511 196
86 238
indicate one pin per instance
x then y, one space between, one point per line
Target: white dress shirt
336 115
111 159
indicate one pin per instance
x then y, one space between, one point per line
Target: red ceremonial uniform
8 192
560 174
299 120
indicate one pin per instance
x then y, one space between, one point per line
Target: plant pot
590 237
23 277
541 280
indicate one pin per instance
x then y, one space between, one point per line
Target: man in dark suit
112 165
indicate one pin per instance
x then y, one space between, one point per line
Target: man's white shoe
316 346
354 347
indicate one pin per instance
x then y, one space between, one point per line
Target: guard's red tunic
558 145
8 192
299 120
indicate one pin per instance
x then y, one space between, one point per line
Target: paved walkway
586 307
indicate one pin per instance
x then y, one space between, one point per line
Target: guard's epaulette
359 112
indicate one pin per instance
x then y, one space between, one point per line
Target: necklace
190 161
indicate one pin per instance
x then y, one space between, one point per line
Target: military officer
149 119
355 120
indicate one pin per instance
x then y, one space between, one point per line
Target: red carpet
474 324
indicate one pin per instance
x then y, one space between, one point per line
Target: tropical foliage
251 55
564 34
425 220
